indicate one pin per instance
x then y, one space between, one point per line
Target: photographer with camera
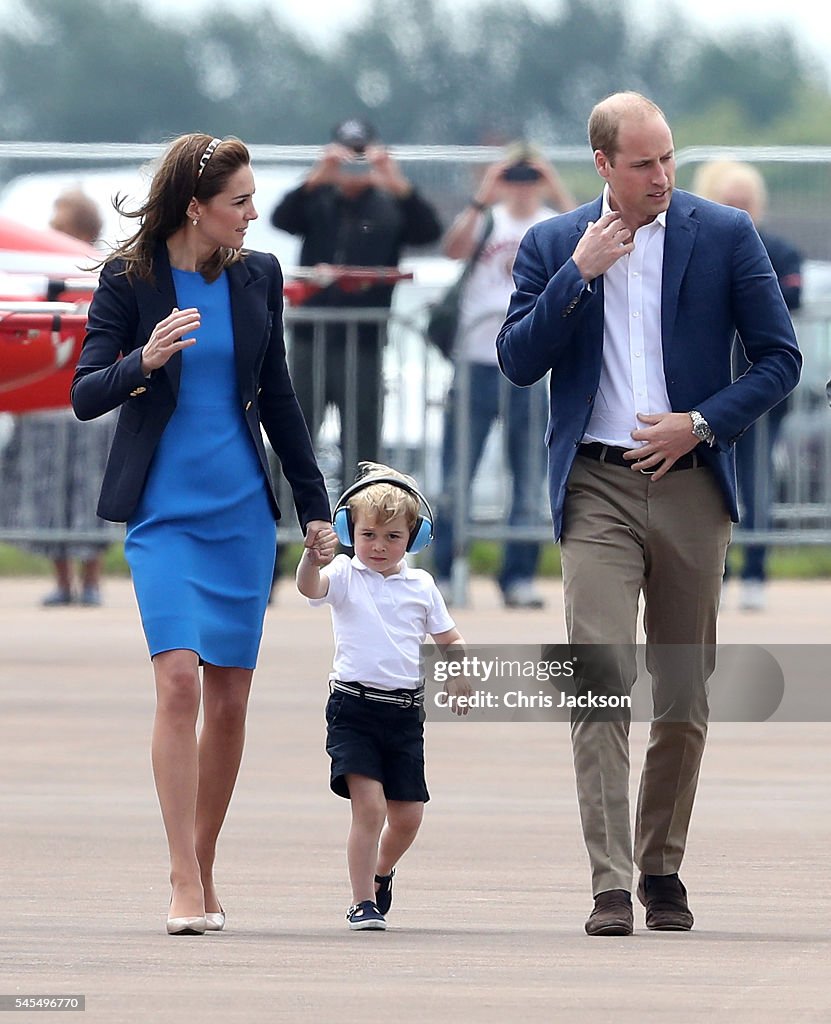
511 198
354 209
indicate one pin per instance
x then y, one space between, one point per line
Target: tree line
109 70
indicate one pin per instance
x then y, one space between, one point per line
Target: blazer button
247 406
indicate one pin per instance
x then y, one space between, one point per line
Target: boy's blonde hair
383 501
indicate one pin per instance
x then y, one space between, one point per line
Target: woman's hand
321 542
168 338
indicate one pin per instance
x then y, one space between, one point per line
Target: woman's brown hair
186 170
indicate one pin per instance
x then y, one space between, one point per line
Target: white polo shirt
380 622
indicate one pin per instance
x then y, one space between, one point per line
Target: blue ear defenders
420 535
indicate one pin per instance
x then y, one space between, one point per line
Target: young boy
382 610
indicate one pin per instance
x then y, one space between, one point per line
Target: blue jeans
526 411
754 476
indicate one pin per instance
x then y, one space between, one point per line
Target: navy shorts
380 741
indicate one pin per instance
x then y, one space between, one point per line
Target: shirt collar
607 208
403 569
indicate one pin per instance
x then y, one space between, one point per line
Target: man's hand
668 437
327 170
603 243
386 173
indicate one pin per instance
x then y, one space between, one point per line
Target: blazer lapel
249 311
594 316
681 230
155 302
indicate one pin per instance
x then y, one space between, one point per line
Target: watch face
701 428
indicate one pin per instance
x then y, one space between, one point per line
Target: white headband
206 156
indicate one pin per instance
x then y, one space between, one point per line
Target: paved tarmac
487 924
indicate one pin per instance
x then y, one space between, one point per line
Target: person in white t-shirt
382 611
510 200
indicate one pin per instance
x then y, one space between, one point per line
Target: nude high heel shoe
215 922
186 925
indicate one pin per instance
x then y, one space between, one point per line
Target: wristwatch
701 428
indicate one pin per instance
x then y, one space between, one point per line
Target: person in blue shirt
742 186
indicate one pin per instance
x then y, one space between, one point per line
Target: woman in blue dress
185 336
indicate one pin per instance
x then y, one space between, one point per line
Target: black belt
614 456
402 698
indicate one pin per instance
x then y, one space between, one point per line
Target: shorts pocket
334 706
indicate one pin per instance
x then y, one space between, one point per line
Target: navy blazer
717 279
122 316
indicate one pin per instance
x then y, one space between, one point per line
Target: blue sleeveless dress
202 541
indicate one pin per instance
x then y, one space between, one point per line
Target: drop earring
195 221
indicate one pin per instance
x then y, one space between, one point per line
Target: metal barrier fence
798 180
416 380
417 385
420 387
410 376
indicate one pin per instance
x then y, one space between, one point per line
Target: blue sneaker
383 895
91 596
365 916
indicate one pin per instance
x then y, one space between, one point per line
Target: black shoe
612 914
383 896
665 899
365 916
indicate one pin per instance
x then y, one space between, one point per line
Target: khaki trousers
624 534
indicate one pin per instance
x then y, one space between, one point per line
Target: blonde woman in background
742 186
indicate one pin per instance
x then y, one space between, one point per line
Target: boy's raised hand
321 542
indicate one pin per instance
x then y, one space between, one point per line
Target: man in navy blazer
633 302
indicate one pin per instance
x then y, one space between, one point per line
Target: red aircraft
45 285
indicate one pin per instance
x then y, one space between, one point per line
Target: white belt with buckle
403 699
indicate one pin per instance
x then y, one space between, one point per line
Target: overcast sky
811 19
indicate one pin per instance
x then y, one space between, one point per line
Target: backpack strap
480 248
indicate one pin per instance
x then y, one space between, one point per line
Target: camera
521 171
356 167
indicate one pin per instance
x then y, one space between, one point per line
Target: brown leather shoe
665 899
612 914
